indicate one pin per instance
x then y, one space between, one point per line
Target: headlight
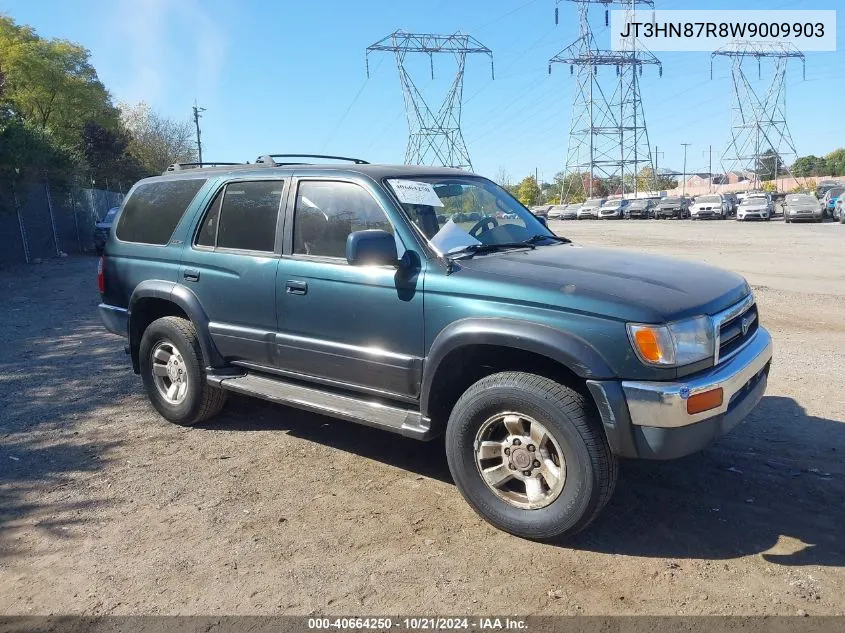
673 345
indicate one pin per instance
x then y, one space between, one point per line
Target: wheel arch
153 299
469 349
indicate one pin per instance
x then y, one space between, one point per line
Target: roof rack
181 166
270 159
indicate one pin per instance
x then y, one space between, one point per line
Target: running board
346 407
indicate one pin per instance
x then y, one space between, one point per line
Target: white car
590 209
710 206
755 206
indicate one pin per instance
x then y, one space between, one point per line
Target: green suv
428 301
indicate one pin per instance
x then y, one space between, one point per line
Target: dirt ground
105 508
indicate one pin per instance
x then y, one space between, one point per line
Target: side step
346 407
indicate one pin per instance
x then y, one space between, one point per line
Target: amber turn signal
648 345
705 401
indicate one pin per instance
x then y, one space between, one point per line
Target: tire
572 426
200 400
841 218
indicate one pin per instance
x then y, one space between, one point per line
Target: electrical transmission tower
759 132
608 138
434 137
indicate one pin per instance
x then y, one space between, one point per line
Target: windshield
668 201
591 204
754 200
638 204
455 212
708 199
612 204
835 191
802 199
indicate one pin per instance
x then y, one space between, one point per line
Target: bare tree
157 142
503 178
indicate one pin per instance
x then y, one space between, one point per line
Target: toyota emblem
746 323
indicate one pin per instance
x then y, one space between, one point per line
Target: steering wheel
487 223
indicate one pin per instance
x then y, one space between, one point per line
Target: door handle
191 274
296 287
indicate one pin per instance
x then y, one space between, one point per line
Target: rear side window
243 216
154 209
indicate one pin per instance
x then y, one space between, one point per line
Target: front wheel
530 455
173 371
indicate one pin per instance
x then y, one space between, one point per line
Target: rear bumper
115 319
649 420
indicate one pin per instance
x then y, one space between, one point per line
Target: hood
624 285
754 206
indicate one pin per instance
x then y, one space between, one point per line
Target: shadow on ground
753 492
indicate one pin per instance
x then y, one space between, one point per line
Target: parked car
802 207
674 207
824 186
541 211
709 206
614 209
839 210
239 279
102 228
590 209
556 211
641 208
733 203
755 206
570 212
829 199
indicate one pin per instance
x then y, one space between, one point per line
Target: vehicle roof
376 172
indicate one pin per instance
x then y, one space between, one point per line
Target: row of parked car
753 205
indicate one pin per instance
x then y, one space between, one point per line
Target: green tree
835 162
51 84
769 165
808 166
27 151
107 154
529 191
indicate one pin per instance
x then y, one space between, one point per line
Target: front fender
188 302
563 347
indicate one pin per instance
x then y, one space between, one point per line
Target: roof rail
270 159
181 166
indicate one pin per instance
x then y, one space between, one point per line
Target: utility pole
197 116
656 173
684 190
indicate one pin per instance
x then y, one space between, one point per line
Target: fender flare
188 302
566 348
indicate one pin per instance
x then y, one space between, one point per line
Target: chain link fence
39 220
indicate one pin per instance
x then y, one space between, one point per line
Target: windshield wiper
476 249
539 238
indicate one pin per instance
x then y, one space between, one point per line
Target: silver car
802 207
590 209
613 209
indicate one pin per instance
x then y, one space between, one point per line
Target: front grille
731 336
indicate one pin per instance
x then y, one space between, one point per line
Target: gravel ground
107 509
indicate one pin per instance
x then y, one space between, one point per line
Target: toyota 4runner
428 301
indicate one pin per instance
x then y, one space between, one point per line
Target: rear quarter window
152 212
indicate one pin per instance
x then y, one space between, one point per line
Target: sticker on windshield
414 192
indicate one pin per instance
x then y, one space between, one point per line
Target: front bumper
649 420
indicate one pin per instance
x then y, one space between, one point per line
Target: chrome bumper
664 404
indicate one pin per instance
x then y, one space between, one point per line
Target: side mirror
372 247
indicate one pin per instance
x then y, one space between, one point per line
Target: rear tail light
101 279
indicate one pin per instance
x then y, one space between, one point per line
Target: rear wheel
530 455
173 371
